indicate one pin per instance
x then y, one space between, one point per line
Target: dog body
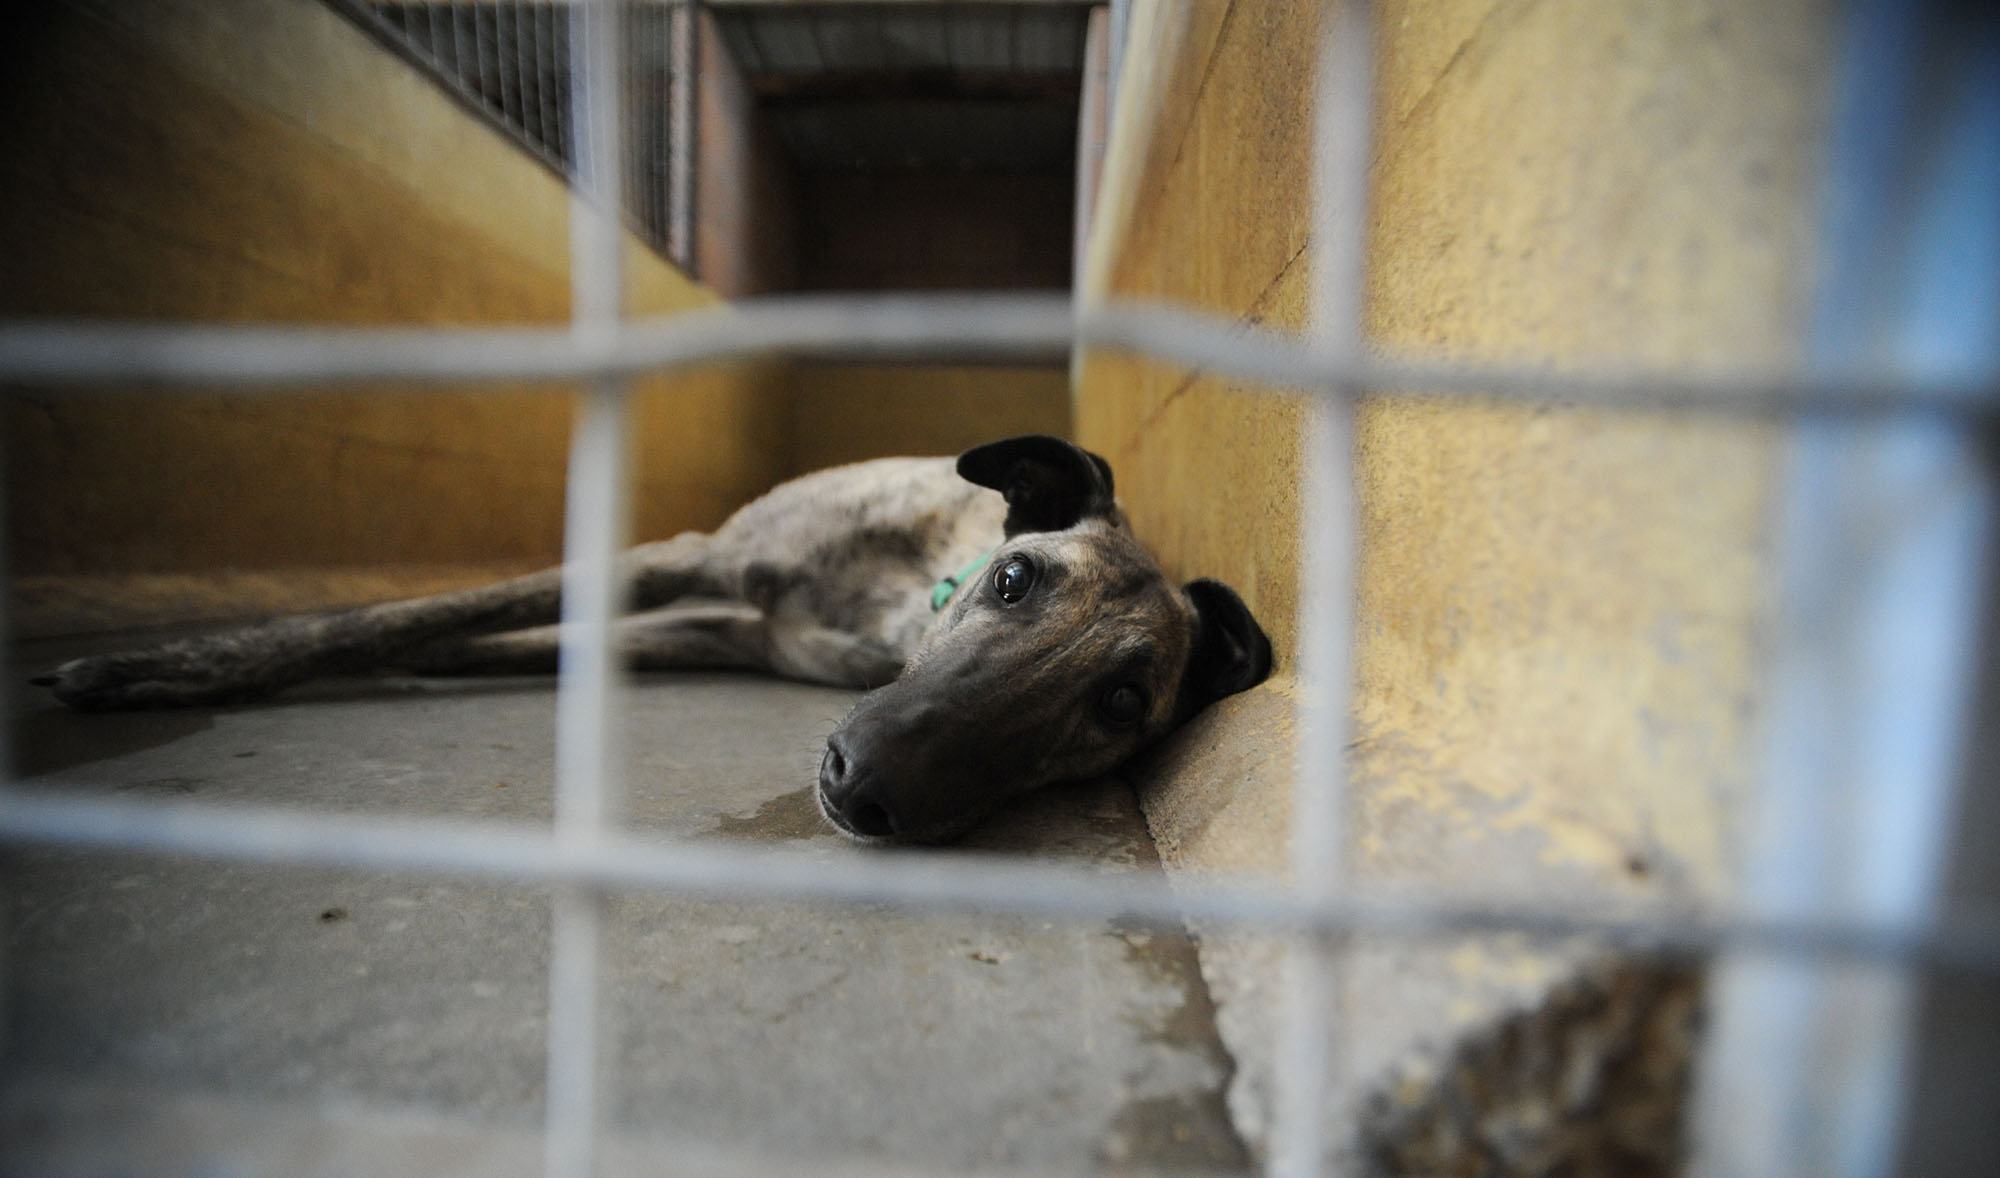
1015 632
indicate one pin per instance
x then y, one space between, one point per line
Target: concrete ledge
1525 1056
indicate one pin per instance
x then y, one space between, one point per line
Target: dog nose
833 772
847 794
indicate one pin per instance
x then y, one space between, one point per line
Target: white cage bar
594 527
1307 1050
585 854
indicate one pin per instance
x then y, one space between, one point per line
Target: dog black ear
1049 484
1231 653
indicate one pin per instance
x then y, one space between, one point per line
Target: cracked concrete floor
176 1017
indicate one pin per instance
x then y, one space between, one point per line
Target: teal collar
942 591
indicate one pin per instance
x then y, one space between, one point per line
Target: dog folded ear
1231 653
1049 483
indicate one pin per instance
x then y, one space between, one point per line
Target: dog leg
697 638
692 638
255 661
819 654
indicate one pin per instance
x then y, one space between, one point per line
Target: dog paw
137 679
100 682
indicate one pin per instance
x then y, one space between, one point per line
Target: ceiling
914 84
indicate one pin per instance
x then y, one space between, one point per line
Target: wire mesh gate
584 855
509 62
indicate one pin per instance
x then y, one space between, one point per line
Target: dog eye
1123 706
1013 580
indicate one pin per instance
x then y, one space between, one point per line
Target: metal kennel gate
1783 934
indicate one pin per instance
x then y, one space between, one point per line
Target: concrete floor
186 1017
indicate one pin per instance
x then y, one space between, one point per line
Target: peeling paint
1590 1082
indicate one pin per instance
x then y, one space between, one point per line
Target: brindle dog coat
1063 652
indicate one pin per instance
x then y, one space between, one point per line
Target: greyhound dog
1013 639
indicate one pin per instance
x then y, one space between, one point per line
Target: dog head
1067 653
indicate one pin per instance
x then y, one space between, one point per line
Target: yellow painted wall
262 160
1204 202
1559 610
1562 607
848 412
